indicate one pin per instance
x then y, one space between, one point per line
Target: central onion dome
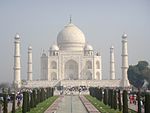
88 48
71 38
54 47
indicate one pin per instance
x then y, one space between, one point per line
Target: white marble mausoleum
71 62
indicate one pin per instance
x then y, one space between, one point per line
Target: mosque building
71 62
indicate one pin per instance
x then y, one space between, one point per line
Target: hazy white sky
102 21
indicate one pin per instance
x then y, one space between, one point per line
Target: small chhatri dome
43 54
54 47
88 48
112 47
71 38
30 47
124 35
17 36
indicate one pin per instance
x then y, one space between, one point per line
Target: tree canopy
139 74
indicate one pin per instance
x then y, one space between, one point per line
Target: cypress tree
52 91
41 98
139 101
109 97
125 102
92 91
34 98
24 105
5 110
42 94
119 100
14 103
46 92
115 99
28 101
49 91
147 103
112 99
105 97
96 92
31 100
101 94
38 96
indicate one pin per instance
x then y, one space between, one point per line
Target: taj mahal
71 62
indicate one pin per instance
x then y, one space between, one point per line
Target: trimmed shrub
24 105
115 100
100 94
125 102
105 100
147 103
28 101
5 110
119 100
31 100
34 98
13 103
139 101
112 98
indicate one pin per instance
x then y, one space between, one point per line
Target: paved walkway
67 104
135 107
53 108
71 104
90 108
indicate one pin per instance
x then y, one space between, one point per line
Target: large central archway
71 70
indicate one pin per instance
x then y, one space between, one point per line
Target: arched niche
53 76
53 65
89 64
97 75
71 70
88 75
97 65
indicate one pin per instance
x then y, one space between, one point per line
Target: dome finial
70 21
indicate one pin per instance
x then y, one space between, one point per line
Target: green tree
24 105
147 103
105 100
14 103
34 98
112 98
115 100
125 102
38 96
5 110
119 100
109 97
28 101
100 94
139 101
31 100
138 74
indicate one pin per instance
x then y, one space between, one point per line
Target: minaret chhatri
112 63
125 81
17 63
29 73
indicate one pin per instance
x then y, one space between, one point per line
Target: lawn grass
102 107
41 107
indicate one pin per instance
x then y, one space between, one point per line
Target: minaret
112 63
125 81
29 73
17 64
44 67
100 64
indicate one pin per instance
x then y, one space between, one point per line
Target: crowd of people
73 90
18 98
